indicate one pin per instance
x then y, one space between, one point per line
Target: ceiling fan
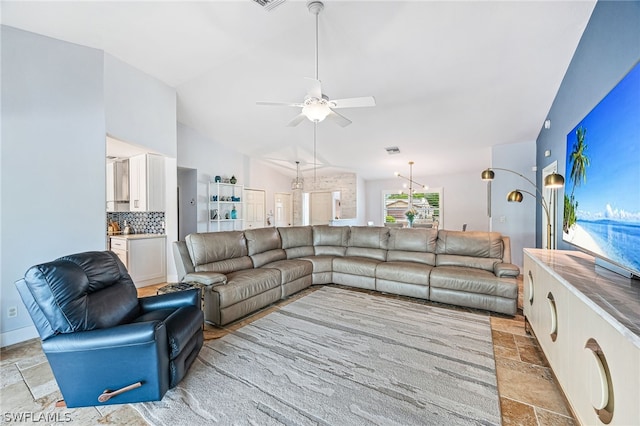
317 106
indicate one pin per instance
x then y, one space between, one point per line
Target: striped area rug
340 357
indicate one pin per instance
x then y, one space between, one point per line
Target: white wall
213 158
52 155
464 199
139 108
517 220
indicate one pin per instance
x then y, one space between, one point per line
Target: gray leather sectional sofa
243 271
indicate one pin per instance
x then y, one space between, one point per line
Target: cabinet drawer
122 254
118 244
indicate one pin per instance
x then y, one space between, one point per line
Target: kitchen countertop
137 236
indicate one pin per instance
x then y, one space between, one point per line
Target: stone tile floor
529 394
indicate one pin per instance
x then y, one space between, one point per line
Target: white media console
587 321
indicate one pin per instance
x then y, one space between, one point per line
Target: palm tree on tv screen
579 163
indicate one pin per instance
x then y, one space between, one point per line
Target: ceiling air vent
269 5
392 150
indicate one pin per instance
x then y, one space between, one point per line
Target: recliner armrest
173 300
506 270
139 333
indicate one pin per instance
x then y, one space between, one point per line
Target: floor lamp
552 181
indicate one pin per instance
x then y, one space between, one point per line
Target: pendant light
298 183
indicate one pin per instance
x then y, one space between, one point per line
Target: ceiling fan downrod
316 7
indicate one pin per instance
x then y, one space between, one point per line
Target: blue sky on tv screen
612 187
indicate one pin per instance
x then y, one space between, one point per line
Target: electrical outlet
12 311
503 219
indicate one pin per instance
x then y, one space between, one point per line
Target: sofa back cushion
221 252
368 241
264 246
330 240
412 245
297 241
474 249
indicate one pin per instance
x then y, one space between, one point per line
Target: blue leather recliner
104 345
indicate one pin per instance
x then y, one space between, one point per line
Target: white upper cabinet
146 183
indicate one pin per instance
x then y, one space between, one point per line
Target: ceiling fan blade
315 88
366 101
297 120
340 120
291 104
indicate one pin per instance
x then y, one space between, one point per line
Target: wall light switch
12 311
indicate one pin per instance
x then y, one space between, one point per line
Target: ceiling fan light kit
317 106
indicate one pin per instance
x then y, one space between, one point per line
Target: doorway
254 205
551 198
187 204
283 209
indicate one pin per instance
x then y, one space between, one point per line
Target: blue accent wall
608 49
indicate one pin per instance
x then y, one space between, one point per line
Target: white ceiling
451 79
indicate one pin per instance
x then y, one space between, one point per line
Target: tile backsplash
142 222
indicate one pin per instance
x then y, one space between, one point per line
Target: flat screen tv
602 188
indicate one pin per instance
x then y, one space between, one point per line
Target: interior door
254 205
320 208
283 209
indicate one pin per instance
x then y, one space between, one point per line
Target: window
428 205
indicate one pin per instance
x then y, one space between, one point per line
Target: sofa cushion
486 264
242 285
475 244
362 266
404 272
330 240
368 241
264 246
297 241
412 245
218 251
291 269
472 280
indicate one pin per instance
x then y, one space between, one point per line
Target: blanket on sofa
342 357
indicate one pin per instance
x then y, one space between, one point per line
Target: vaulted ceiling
451 79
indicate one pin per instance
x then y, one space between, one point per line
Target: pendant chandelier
298 183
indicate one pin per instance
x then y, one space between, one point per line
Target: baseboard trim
18 336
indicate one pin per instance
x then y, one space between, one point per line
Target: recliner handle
107 394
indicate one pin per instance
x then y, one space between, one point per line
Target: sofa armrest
184 265
506 270
206 278
173 300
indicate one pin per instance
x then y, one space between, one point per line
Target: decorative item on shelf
552 181
217 179
214 198
233 180
214 214
226 215
234 213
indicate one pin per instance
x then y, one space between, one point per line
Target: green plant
390 219
411 214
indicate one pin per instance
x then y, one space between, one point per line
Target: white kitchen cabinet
146 183
144 255
587 321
